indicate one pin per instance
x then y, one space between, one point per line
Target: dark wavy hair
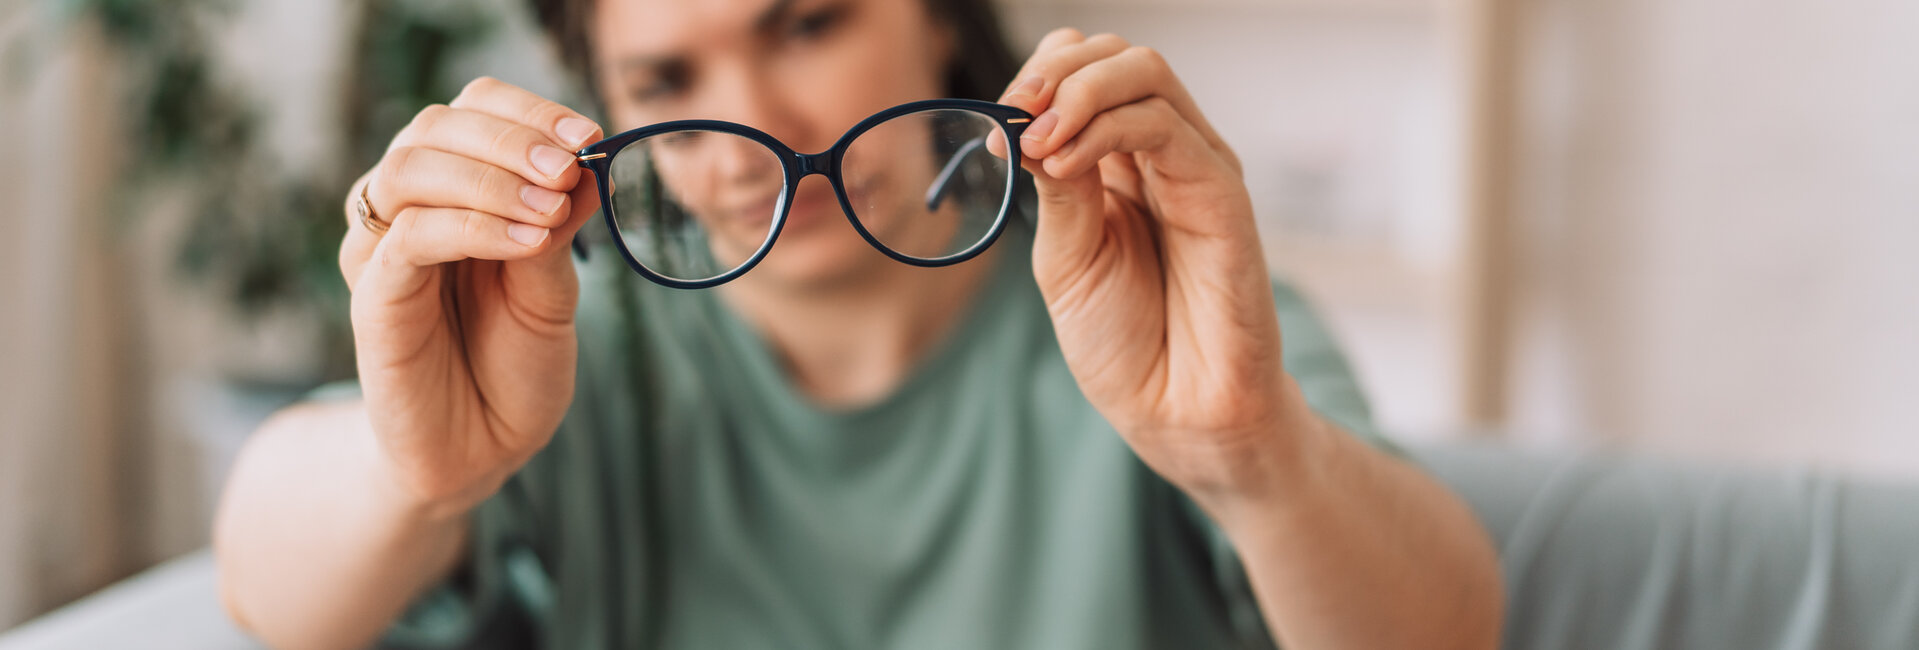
982 66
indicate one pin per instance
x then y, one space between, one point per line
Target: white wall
64 505
1723 229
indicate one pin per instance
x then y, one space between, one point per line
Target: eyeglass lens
696 205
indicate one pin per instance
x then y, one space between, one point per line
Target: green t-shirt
693 499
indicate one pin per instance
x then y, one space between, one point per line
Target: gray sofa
1599 553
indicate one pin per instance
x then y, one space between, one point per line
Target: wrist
399 493
413 495
1274 469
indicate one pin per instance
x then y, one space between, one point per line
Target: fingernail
1037 133
549 161
1041 127
1030 87
575 131
542 200
525 234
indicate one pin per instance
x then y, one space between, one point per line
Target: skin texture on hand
1150 264
1149 260
463 311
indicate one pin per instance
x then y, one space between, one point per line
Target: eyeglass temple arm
942 184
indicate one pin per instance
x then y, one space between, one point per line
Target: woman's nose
756 98
744 160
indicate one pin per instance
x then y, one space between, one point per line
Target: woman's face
803 71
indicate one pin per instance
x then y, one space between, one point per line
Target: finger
529 152
1033 87
514 104
546 283
407 262
1056 39
421 177
1069 229
1149 126
585 201
358 246
996 144
429 236
1126 77
1049 43
358 243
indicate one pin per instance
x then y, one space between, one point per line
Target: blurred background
1669 227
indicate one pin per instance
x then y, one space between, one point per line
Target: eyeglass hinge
592 156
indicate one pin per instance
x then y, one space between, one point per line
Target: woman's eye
662 85
815 24
654 92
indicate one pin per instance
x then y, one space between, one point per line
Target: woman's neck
852 344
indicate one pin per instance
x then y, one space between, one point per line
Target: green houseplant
262 234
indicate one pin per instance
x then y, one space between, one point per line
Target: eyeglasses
696 203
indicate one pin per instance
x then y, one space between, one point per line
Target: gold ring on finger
363 208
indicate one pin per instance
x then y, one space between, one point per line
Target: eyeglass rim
795 166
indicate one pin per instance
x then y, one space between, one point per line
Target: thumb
1072 214
585 201
548 279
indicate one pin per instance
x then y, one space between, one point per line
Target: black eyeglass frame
796 166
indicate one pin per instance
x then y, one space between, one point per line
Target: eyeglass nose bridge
816 163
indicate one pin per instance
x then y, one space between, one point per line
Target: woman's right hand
463 309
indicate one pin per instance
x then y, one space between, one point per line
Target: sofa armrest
173 605
1604 552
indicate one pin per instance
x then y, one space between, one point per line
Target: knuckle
506 142
1065 34
493 181
1043 66
396 168
406 226
1156 65
524 137
473 224
545 114
1072 91
423 125
430 116
1106 40
1146 53
477 88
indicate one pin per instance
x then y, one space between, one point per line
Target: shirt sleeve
1314 359
490 599
494 599
542 539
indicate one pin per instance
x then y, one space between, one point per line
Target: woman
1090 436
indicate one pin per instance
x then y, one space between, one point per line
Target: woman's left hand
1152 270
